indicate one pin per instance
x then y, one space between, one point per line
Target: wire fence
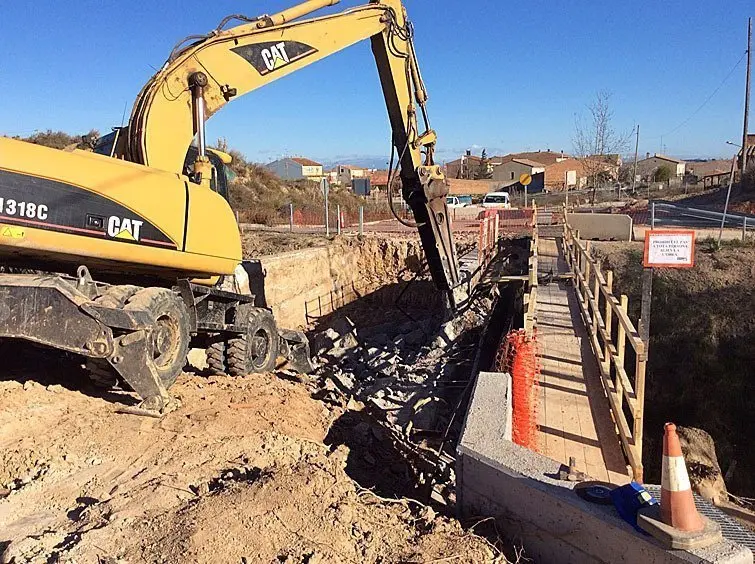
333 219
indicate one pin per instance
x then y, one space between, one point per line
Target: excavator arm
201 77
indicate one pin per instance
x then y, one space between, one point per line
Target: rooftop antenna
123 115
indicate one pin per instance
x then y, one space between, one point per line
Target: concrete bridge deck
574 416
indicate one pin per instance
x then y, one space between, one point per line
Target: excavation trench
402 367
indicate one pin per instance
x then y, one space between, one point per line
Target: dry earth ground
239 473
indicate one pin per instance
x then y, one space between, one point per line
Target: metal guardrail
599 307
671 214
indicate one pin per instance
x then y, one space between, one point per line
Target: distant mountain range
379 163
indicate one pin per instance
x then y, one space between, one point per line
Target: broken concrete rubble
406 366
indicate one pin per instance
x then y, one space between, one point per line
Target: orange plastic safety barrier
517 355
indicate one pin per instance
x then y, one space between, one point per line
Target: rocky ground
338 466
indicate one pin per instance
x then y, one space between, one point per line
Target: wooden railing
610 330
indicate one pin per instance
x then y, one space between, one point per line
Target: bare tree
597 144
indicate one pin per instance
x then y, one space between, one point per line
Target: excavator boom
227 63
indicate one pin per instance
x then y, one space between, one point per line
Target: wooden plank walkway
574 415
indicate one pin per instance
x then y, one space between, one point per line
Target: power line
705 102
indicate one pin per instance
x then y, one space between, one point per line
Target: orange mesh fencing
517 355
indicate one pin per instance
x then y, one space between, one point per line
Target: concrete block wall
601 226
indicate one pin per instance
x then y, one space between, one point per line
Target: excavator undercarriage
142 335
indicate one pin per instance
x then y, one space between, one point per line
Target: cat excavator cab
134 248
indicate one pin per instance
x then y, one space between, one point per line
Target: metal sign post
728 195
325 188
525 180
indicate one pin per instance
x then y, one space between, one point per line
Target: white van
496 200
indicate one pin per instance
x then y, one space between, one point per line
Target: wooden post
621 343
608 319
587 272
479 244
596 309
639 414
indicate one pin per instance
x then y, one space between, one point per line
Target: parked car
496 200
453 202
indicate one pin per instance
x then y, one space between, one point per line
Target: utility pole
747 96
636 148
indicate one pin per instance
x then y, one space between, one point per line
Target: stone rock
347 331
699 452
336 340
354 405
344 380
325 341
448 332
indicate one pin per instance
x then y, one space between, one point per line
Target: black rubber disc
595 492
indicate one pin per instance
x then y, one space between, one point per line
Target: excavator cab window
221 174
105 145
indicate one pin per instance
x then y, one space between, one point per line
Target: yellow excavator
130 254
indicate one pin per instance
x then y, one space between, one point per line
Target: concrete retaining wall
496 478
294 281
601 226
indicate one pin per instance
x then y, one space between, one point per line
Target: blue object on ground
629 499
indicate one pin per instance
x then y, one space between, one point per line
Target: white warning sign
669 249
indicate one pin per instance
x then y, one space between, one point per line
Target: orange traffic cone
677 504
677 524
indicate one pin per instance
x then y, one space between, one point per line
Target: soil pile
241 472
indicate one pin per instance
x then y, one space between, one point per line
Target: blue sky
509 76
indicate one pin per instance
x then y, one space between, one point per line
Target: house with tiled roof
296 168
543 158
509 171
646 167
346 173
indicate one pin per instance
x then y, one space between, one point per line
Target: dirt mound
241 470
309 511
262 242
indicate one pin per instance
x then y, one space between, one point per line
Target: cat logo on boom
273 55
124 228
